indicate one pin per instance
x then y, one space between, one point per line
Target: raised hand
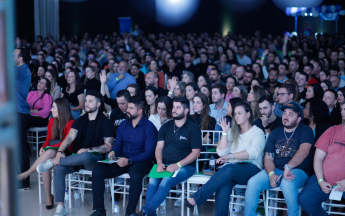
225 126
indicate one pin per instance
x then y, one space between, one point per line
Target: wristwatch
287 166
90 149
267 127
129 161
231 157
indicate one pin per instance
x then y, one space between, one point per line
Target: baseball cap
295 107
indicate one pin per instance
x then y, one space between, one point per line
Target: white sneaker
43 167
272 203
60 211
178 202
238 208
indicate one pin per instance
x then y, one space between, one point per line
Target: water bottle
76 198
66 199
163 208
116 210
212 163
258 213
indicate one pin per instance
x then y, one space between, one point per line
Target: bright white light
283 4
306 14
175 12
311 14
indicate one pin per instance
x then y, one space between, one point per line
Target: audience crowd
146 101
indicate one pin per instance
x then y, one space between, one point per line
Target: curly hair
319 110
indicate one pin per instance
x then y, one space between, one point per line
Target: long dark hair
77 80
168 104
46 91
233 102
155 92
205 117
64 116
319 110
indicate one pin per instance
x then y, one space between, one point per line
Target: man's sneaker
237 207
178 202
43 167
60 211
272 203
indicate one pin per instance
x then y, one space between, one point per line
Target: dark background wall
101 16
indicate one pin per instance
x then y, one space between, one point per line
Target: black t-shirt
176 72
73 97
284 151
93 84
141 80
303 93
116 117
273 125
107 131
270 88
178 145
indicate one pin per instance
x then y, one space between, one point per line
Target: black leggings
34 121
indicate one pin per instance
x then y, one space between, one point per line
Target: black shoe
142 213
98 213
50 206
129 214
188 204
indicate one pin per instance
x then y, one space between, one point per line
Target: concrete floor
29 205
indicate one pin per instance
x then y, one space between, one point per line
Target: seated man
329 169
92 132
287 156
135 143
178 146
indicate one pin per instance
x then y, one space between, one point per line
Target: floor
29 206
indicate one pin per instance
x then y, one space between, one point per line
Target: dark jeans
34 121
312 196
136 171
24 164
222 183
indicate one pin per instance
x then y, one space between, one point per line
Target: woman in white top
162 112
55 90
241 152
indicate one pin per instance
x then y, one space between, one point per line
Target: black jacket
335 117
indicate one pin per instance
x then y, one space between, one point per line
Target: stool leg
69 191
125 191
182 201
39 188
112 193
36 144
267 201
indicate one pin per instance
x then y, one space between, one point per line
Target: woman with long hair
55 90
201 117
240 91
58 129
40 103
91 81
326 84
163 112
231 81
258 71
177 88
74 93
314 90
242 141
207 90
253 97
203 80
151 94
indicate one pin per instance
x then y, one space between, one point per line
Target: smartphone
278 179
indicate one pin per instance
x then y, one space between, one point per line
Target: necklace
288 140
176 130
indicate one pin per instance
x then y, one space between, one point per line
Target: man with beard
268 120
134 151
215 76
285 95
152 79
240 70
248 77
218 108
293 67
88 133
272 81
178 147
138 75
287 154
119 114
187 65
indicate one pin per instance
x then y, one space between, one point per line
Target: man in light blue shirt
119 81
218 108
242 58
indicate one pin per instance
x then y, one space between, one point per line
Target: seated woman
55 90
177 88
240 91
207 90
316 115
243 142
40 103
253 97
151 94
231 81
91 81
74 93
162 113
58 129
203 80
134 89
187 77
191 89
326 84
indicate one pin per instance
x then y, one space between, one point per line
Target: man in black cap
288 161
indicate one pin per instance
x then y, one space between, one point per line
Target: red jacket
65 133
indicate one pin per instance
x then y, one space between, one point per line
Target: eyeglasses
281 94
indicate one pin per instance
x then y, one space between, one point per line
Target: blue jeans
261 182
311 198
159 188
222 183
75 113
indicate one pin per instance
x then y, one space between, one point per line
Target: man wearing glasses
285 95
